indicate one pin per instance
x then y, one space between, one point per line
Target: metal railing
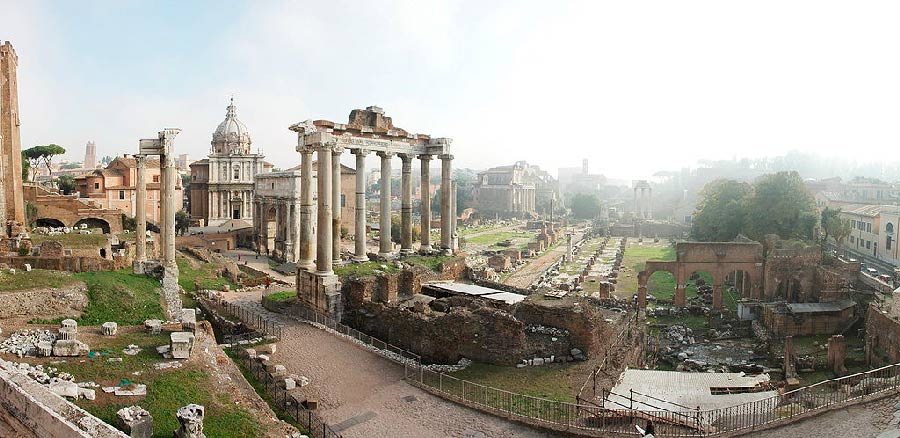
601 416
254 319
290 405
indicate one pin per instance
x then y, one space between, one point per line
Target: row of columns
329 207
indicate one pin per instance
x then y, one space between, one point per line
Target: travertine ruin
191 419
135 421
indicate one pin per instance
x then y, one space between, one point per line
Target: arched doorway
49 223
699 285
738 284
661 284
92 222
271 224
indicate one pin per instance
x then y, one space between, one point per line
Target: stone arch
738 284
93 222
270 226
662 284
700 279
49 222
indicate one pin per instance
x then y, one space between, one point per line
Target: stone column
336 204
837 353
307 240
169 175
360 237
323 208
790 370
426 203
384 247
406 205
453 216
446 221
717 296
140 215
642 297
680 297
289 232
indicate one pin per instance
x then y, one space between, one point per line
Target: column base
386 255
407 251
138 267
306 265
337 262
446 251
360 259
321 292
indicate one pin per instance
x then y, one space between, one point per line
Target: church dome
232 136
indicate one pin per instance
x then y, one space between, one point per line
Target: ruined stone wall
388 288
882 338
71 264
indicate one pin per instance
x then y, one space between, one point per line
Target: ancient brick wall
882 338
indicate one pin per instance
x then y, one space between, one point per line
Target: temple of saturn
643 195
368 131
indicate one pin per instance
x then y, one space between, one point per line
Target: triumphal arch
367 131
719 259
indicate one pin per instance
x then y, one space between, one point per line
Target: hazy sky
633 86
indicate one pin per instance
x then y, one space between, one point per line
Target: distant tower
584 166
12 204
90 155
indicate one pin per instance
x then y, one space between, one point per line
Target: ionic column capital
425 157
139 159
405 157
386 154
337 149
360 152
306 149
446 156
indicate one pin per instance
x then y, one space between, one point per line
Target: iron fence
254 319
603 416
288 403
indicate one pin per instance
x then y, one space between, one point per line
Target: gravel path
527 275
867 420
363 394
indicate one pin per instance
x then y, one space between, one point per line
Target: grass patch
73 240
635 260
494 238
283 295
365 269
120 296
36 278
205 276
548 381
430 262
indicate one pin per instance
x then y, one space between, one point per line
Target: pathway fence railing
254 319
287 403
601 416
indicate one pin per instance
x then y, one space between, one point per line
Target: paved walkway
869 420
363 394
529 274
258 262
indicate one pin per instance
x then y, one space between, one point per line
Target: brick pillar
680 297
717 296
837 353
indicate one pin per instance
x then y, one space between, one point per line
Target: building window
237 173
121 194
853 223
96 186
889 228
852 239
343 200
868 227
868 244
887 243
156 178
273 186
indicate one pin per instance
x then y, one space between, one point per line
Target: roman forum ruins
368 131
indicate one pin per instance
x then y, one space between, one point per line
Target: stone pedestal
109 328
680 298
180 345
790 364
717 297
67 334
190 418
153 326
188 319
642 297
70 348
171 291
135 421
321 292
69 323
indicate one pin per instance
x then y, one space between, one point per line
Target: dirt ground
527 275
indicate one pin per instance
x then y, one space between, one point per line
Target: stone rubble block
190 418
24 342
279 370
109 328
88 394
268 349
135 421
153 326
181 344
64 388
188 319
69 323
68 333
70 348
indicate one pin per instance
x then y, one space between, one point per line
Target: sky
633 86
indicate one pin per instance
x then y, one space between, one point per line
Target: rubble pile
25 342
544 330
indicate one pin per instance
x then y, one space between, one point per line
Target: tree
42 155
585 206
66 184
828 215
395 230
182 222
106 160
721 211
838 229
781 204
26 167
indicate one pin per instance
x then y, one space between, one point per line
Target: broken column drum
190 418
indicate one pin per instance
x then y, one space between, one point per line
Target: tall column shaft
336 204
360 242
454 242
384 247
140 215
446 222
406 204
163 211
169 176
324 237
426 202
306 207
